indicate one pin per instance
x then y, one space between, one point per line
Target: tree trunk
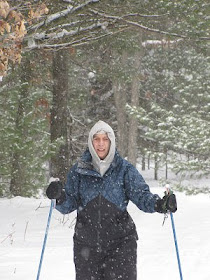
156 168
133 122
17 168
59 128
120 103
143 162
120 96
166 165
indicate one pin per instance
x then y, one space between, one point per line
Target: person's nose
101 142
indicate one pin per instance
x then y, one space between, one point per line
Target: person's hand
167 203
55 191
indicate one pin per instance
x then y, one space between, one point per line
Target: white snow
23 224
91 75
160 42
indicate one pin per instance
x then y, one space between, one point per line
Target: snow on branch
61 34
163 43
79 42
69 10
83 41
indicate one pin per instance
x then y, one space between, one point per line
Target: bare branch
85 25
62 33
70 10
9 236
67 1
65 25
80 42
145 16
136 24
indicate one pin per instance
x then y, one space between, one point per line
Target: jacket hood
102 165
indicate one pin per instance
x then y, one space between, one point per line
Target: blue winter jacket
101 201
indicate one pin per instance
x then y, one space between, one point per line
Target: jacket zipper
99 224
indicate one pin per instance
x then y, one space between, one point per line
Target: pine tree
174 111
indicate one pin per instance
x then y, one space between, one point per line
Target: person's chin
101 155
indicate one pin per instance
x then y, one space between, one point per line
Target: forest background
141 66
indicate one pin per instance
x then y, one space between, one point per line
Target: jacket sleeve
138 191
71 193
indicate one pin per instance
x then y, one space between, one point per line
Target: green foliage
28 141
175 105
174 90
189 188
188 17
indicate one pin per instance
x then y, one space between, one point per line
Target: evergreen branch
172 146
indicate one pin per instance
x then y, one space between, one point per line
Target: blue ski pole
45 239
176 245
174 234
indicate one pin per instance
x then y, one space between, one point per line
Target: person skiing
99 186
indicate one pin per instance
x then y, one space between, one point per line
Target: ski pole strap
164 219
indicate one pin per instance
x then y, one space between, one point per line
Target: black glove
167 203
55 191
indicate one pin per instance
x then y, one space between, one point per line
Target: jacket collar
85 165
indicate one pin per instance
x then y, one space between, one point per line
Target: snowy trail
23 227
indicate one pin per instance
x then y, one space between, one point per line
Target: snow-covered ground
23 223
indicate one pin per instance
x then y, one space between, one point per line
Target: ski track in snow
23 227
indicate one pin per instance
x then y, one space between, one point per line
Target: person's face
101 144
